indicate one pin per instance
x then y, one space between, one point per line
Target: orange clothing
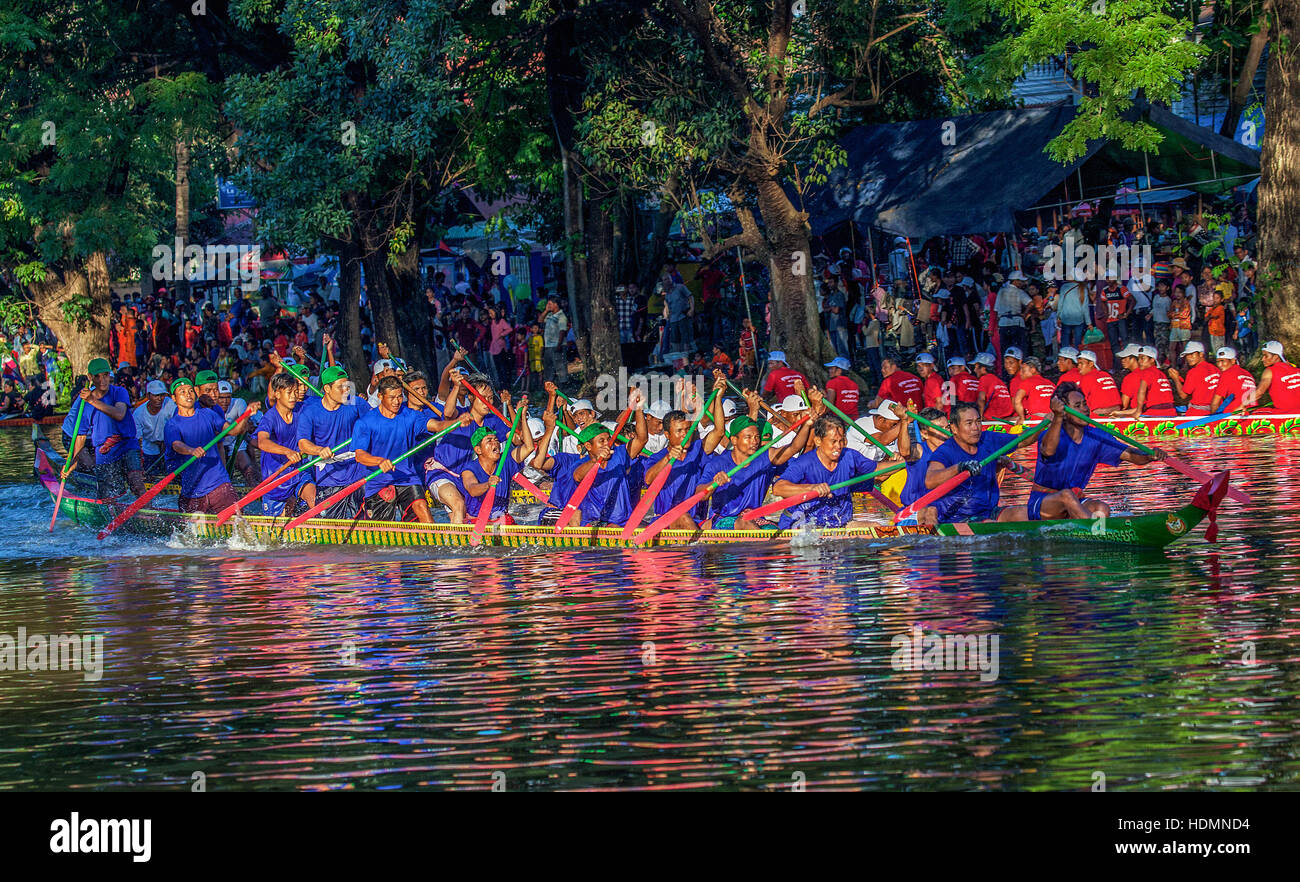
126 339
1215 320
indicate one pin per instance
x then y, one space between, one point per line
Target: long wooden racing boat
1284 425
1153 530
15 421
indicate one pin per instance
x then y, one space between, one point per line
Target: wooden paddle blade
576 500
140 503
1191 471
483 516
645 502
321 506
669 517
780 505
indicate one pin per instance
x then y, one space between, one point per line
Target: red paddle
578 495
809 495
157 488
519 477
485 510
652 492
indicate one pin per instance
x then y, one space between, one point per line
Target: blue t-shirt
976 498
682 480
103 427
474 504
286 435
746 489
1073 464
208 473
914 489
71 418
388 439
330 428
837 509
607 500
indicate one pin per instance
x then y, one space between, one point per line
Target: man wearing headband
112 434
324 424
205 485
480 473
609 499
385 434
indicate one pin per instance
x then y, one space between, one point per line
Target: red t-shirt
1285 387
1070 376
1160 393
968 387
1100 390
901 386
997 397
846 394
1200 384
1128 389
1038 392
1237 382
932 392
781 380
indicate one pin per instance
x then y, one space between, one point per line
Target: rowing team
1205 386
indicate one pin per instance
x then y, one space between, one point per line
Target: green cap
330 374
479 434
99 366
592 432
178 382
741 423
204 377
297 370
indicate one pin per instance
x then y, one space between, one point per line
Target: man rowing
1197 387
914 487
748 487
1068 453
829 462
112 433
1280 381
382 436
608 499
323 424
205 485
1098 386
1235 382
480 473
455 449
965 386
684 456
277 440
931 381
1031 398
995 397
976 498
896 385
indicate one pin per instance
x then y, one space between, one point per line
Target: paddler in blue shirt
976 498
205 485
112 433
914 489
480 473
828 462
687 458
323 424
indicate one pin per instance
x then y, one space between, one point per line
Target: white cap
1194 347
224 388
1148 352
1088 354
899 240
791 404
1226 352
1017 276
157 387
1273 347
382 365
1014 352
1129 351
728 407
985 358
581 404
884 410
925 358
536 428
658 410
776 355
842 363
956 360
967 282
1069 352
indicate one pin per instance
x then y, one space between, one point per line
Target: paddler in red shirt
1234 381
1098 386
897 385
1033 401
931 382
995 398
1011 361
1281 381
1067 362
781 377
1197 387
1155 395
1132 382
841 391
965 385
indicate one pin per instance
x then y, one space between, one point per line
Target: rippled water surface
765 668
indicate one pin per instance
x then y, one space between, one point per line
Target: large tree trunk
796 326
88 338
1240 93
375 262
658 256
414 333
599 346
1279 182
182 217
349 328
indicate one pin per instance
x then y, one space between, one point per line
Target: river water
772 668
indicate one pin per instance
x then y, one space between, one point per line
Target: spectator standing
679 307
555 326
1011 306
835 314
499 348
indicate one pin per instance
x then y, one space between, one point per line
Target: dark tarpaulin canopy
971 174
